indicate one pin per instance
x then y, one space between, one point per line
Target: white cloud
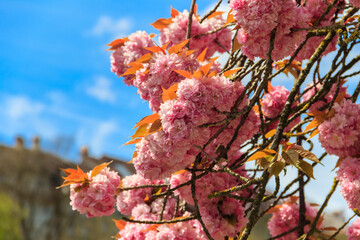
107 25
97 135
23 115
20 106
101 90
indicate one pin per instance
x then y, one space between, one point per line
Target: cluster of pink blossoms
221 216
131 50
273 104
199 101
328 98
159 73
97 199
257 20
353 231
138 203
219 41
348 176
286 217
340 134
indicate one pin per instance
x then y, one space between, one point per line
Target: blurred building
30 177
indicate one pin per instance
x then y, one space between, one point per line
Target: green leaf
290 156
306 168
276 168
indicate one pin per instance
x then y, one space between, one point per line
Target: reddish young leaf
270 133
170 93
176 48
202 55
74 176
214 14
236 45
117 43
132 70
183 73
230 18
97 169
148 119
133 141
269 87
228 73
120 224
174 12
161 23
205 69
155 126
141 131
154 49
261 154
212 74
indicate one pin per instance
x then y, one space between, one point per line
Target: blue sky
55 78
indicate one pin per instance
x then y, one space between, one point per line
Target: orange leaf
205 69
74 176
256 109
230 18
231 72
117 43
201 56
197 74
179 172
269 87
161 23
132 141
174 12
189 52
183 73
313 124
132 70
146 199
270 133
170 93
261 154
152 35
153 227
212 74
148 119
340 97
155 126
97 169
313 134
214 14
120 224
176 48
154 49
236 45
141 131
144 57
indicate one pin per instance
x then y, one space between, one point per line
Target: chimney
35 143
19 142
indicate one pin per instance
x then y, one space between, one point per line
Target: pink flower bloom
175 33
274 103
340 134
353 231
127 200
286 217
159 73
97 199
349 178
311 91
171 149
258 18
355 3
130 52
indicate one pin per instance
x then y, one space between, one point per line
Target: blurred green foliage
10 218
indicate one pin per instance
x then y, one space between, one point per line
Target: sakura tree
220 132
